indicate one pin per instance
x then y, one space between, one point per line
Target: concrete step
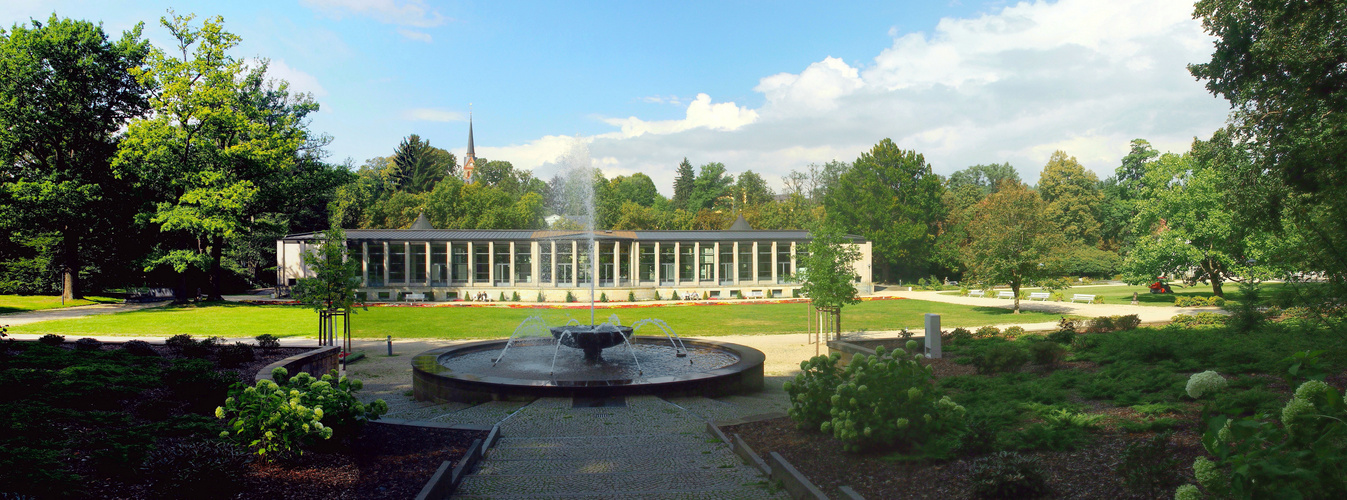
755 492
622 484
627 441
617 464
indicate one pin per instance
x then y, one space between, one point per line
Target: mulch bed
1090 472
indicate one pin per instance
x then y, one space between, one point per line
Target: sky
764 86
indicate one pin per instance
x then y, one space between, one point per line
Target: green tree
827 274
418 166
335 278
64 93
985 178
219 135
683 185
638 188
750 189
891 197
712 183
1012 240
1072 194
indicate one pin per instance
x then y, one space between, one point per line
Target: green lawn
238 320
22 303
1122 294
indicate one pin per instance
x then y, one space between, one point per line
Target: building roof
550 234
740 224
421 222
470 150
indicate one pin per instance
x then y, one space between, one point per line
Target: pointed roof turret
471 153
421 222
740 224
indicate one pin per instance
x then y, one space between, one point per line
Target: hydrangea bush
1205 383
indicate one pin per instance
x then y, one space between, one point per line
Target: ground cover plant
1122 294
229 319
24 303
1230 413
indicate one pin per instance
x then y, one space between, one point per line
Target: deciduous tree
827 274
1012 240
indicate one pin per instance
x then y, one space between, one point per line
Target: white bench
1007 294
977 293
755 294
1081 296
415 297
1043 296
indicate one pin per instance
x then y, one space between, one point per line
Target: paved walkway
23 318
1148 314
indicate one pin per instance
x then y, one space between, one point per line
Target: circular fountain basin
592 339
466 373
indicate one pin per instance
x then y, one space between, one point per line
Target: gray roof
740 224
547 234
421 222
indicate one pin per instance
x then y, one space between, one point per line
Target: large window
606 264
726 262
565 268
418 262
623 262
502 261
687 262
764 261
481 262
745 261
646 267
545 262
376 264
783 271
584 263
523 262
666 263
397 262
459 252
439 264
708 262
354 252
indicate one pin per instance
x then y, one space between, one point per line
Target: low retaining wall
317 362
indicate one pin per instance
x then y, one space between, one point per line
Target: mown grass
24 303
240 320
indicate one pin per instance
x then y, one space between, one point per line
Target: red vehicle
1161 286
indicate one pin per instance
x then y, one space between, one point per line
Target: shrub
1148 466
335 395
886 399
1273 312
88 344
1014 332
139 348
1047 353
502 297
960 335
194 469
1101 324
235 355
657 297
1000 358
963 291
1128 322
1207 382
1065 337
514 296
812 389
979 437
51 339
1199 319
268 341
570 297
1008 474
271 420
603 297
1216 301
179 342
987 331
1057 297
795 293
631 296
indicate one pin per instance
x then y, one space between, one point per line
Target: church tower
470 158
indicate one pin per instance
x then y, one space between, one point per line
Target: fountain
537 360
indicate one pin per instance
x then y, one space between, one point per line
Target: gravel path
23 318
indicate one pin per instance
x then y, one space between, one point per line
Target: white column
794 262
512 264
472 265
697 263
535 249
429 259
575 264
657 264
364 263
678 265
754 264
617 263
774 279
715 264
736 263
491 263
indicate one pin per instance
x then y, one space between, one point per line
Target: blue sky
766 86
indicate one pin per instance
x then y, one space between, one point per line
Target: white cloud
413 13
433 115
415 35
1013 85
299 80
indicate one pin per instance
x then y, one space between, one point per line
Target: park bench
415 297
977 293
1084 297
755 294
1007 294
1043 296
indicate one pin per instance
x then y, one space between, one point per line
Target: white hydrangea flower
1207 474
1187 492
1295 408
1310 389
1204 383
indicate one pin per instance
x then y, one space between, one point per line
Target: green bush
1128 322
1148 466
88 344
1008 474
1216 301
887 399
502 297
236 354
1000 358
631 296
514 296
603 297
51 339
1047 353
812 389
657 297
963 291
1101 324
268 341
194 469
987 332
335 395
1065 337
1013 332
271 420
570 297
960 336
1199 319
138 348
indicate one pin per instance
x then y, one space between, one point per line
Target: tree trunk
70 266
215 273
1015 289
1209 267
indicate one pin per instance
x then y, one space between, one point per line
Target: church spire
470 158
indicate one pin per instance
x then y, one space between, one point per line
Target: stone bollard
390 345
932 335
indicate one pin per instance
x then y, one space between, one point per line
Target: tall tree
683 184
1012 240
64 93
985 178
1072 194
219 135
828 277
891 197
751 189
711 184
418 166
